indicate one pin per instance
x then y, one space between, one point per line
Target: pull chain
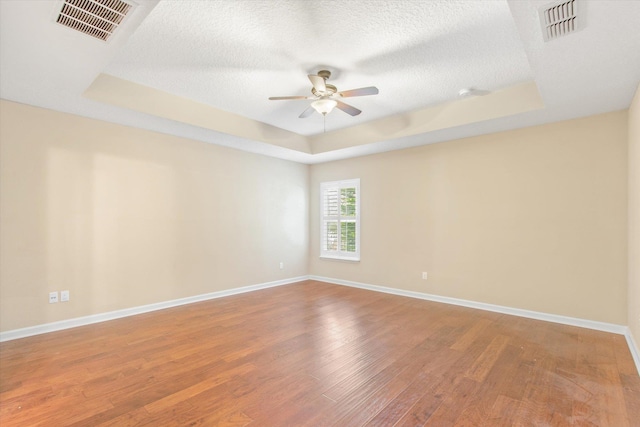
324 123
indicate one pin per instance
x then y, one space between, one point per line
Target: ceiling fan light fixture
324 106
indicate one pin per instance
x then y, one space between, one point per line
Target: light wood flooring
316 354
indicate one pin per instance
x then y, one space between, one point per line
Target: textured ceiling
233 55
204 69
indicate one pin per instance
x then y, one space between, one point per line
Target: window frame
340 219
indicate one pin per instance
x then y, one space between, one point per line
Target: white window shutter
340 219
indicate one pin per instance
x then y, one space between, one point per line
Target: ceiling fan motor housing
331 89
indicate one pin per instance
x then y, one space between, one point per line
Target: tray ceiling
219 61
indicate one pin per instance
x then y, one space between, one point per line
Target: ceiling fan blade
363 91
318 83
353 111
306 113
280 98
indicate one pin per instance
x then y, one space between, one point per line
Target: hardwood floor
315 354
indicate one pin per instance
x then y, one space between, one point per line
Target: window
340 220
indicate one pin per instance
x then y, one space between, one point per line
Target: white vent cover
559 19
97 18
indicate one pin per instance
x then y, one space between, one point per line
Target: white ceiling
232 55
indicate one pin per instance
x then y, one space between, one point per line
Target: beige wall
634 218
533 218
123 217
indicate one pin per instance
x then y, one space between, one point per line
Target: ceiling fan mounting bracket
325 74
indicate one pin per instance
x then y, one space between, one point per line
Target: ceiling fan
326 96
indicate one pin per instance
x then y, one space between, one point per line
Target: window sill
339 258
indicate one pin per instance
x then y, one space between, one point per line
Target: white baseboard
583 323
102 317
633 348
555 318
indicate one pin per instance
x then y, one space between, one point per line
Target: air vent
97 18
559 19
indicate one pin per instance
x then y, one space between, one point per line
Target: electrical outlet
53 297
424 275
281 265
64 296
